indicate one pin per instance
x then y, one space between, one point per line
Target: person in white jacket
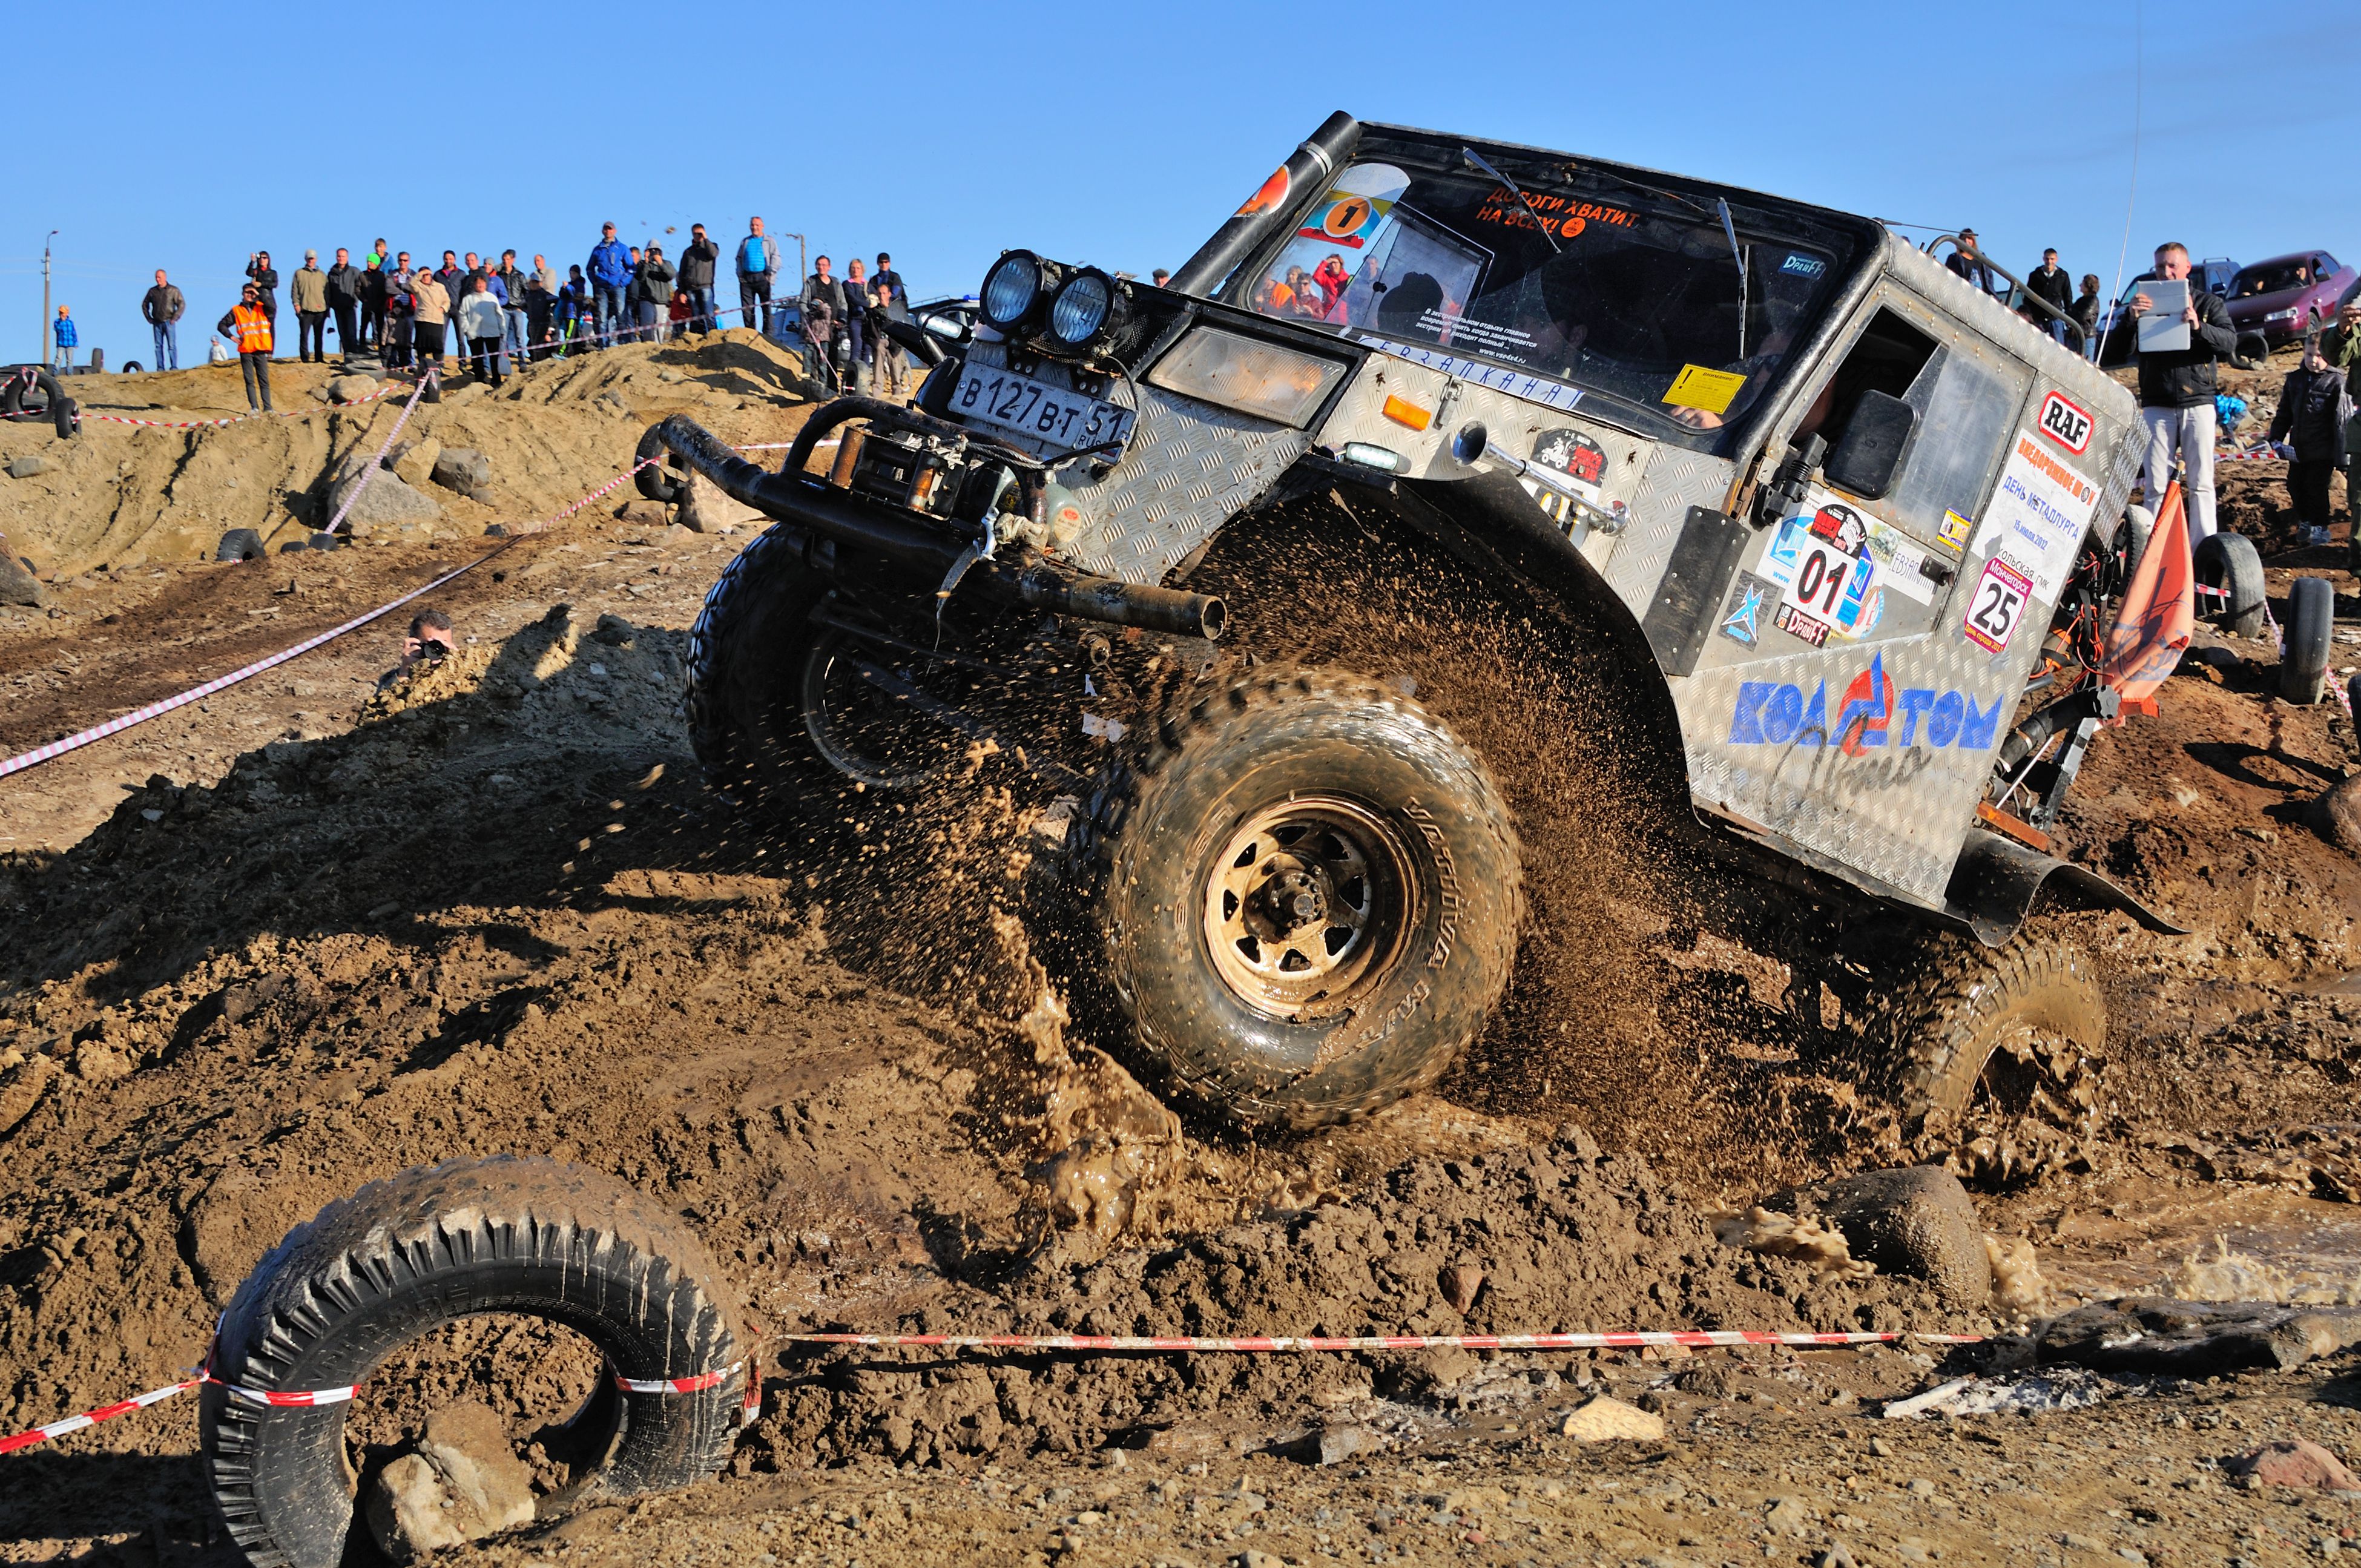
480 323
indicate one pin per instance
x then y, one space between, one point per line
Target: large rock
1917 1222
2340 816
25 464
708 510
464 1482
465 471
18 585
2194 1339
414 461
2295 1463
351 389
383 501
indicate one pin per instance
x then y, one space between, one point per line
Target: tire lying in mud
1309 895
2230 563
2311 628
405 1255
239 544
1965 1016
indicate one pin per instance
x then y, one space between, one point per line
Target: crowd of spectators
486 315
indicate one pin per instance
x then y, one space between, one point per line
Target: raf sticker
1997 605
1743 623
1706 390
1956 531
1796 623
2066 423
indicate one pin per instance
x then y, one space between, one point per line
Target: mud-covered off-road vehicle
1839 531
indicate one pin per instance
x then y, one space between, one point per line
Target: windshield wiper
1738 255
1472 156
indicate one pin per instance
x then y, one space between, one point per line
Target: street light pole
41 343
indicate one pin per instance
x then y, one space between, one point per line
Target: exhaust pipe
806 502
1318 159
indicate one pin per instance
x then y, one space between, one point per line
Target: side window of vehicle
1967 411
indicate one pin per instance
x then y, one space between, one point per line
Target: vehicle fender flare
1995 880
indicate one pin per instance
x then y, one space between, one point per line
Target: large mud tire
407 1255
746 655
2311 631
1960 1002
2230 563
1235 763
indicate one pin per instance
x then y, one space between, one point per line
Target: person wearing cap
887 275
247 325
697 259
266 282
610 275
309 292
67 335
1966 262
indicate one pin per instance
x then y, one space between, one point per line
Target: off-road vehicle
1792 504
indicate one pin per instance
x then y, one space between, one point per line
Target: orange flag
2159 613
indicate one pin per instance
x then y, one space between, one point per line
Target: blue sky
192 135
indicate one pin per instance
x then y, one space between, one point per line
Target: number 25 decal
1997 606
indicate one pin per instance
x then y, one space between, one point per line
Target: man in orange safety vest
250 326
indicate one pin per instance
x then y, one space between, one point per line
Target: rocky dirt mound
1556 1235
121 496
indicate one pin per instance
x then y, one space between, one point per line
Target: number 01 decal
1999 603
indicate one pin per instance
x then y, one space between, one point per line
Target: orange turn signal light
1407 413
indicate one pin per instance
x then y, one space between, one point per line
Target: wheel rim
860 731
1308 904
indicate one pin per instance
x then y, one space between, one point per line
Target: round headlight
1011 288
1080 310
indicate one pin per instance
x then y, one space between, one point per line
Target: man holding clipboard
2183 331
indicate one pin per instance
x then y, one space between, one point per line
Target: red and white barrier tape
313 1399
92 1418
697 1385
387 391
1692 1338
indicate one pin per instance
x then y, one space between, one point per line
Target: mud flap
1704 560
1997 879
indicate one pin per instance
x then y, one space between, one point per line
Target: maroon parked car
2288 296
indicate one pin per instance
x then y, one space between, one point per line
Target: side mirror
1875 440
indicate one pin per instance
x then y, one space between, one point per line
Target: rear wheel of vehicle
1967 1023
1309 895
2312 624
404 1256
2230 565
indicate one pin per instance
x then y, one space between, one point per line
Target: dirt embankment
327 933
120 497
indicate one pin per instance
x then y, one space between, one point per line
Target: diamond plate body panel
1191 468
1675 480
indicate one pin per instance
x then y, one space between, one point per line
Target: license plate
1022 404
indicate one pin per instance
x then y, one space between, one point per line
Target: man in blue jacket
610 278
758 263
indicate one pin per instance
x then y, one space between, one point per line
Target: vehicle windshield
2253 280
1590 285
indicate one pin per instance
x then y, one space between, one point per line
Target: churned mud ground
312 932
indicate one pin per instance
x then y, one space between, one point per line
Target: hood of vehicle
2264 304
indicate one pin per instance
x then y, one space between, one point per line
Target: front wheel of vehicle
1308 894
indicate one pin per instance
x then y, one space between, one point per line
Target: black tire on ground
239 544
2251 351
405 1255
1308 894
1959 1002
2312 622
745 663
2231 562
132 368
